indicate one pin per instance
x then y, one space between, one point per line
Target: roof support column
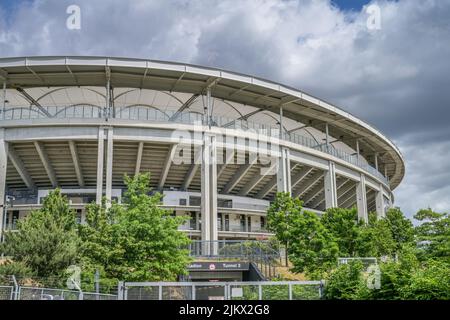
379 203
281 122
330 186
357 151
3 168
284 171
109 166
100 160
361 199
140 151
209 232
108 92
4 100
376 161
327 136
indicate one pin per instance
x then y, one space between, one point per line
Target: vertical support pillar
109 167
208 107
376 161
327 136
100 160
284 171
209 194
3 167
281 122
108 93
330 186
357 151
4 100
379 203
361 199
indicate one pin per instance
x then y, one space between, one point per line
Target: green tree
344 226
402 229
46 241
282 211
312 248
346 282
136 240
433 234
429 282
395 275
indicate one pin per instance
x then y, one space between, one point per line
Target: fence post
120 288
160 292
193 291
290 291
259 292
16 288
321 289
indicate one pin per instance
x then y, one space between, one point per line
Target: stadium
218 144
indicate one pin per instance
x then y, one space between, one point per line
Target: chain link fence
261 290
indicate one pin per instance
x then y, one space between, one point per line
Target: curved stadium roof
252 94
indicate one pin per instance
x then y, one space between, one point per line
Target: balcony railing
233 248
145 113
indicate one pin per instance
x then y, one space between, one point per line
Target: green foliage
312 248
344 226
46 241
402 229
19 269
395 275
416 260
346 282
280 215
433 235
136 240
430 282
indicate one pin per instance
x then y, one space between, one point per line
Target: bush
346 282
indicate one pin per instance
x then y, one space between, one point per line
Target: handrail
147 114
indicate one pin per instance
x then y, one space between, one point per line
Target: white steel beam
18 164
361 200
3 170
343 191
208 205
139 158
284 171
339 186
312 181
40 148
109 166
166 166
229 159
300 176
330 186
273 182
237 177
100 162
313 194
255 180
76 162
379 203
192 170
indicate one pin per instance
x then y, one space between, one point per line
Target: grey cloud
396 78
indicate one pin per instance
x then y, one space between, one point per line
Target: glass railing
145 113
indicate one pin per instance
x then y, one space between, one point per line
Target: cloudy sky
396 78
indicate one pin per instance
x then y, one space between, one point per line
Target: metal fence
6 292
263 290
36 293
